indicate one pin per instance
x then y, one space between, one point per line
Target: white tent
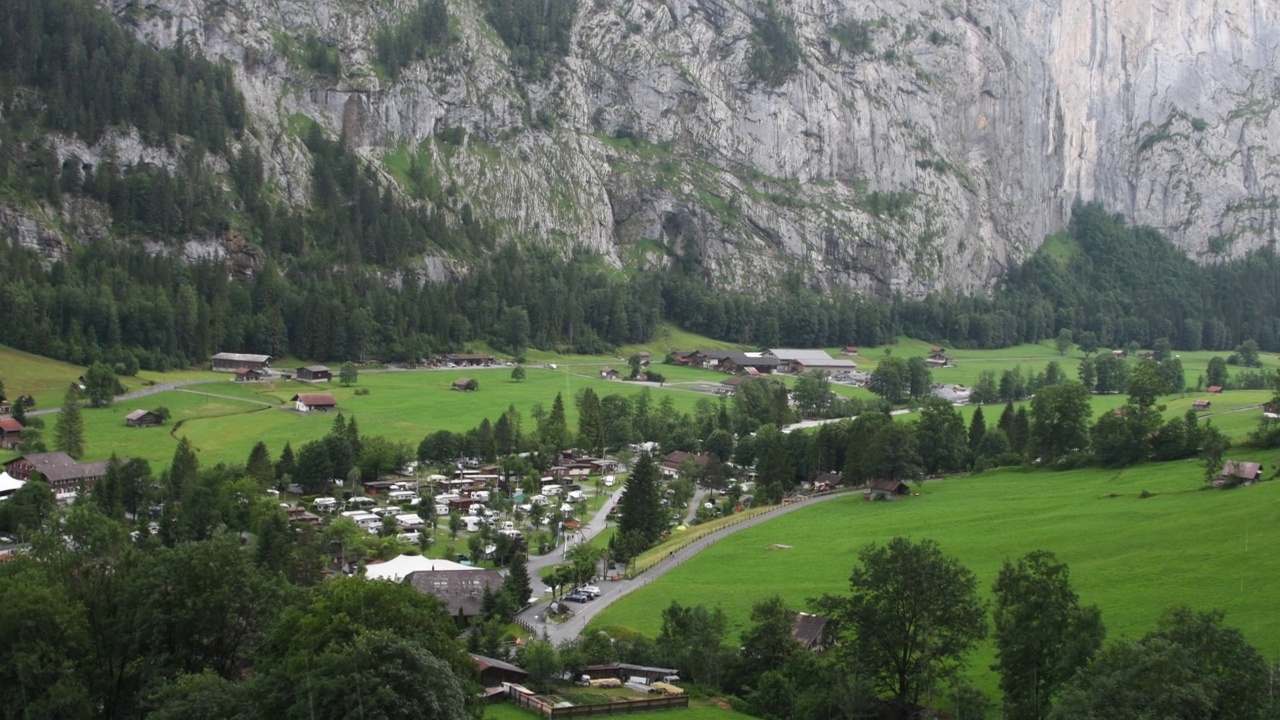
398 568
9 484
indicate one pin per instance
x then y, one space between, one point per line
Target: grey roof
804 356
458 589
484 662
242 357
315 368
829 362
61 467
138 414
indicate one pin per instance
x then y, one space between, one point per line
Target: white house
314 402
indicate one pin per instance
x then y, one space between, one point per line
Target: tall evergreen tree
590 426
259 466
555 432
68 429
517 580
640 510
977 428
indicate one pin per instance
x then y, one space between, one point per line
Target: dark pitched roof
315 368
9 425
242 357
807 629
1242 470
457 589
893 486
60 467
484 663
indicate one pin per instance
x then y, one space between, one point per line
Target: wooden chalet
1235 473
887 489
10 433
939 360
645 357
683 357
850 349
1215 389
231 362
63 474
462 384
494 672
811 631
670 465
315 373
461 591
1200 405
248 374
608 374
142 418
313 402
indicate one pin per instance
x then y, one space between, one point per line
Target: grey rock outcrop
944 145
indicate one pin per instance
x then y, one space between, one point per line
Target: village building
939 360
10 433
494 672
317 402
230 362
5 408
63 474
644 358
1215 389
850 350
461 591
142 418
247 374
315 373
462 384
730 385
811 631
1235 473
608 374
1200 405
469 360
671 464
644 674
887 489
792 360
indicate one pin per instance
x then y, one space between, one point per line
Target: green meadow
224 419
697 710
1132 556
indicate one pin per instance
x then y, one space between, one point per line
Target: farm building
644 358
939 360
318 402
461 591
60 470
1200 405
811 631
627 671
608 374
1235 473
850 349
5 408
230 362
10 433
670 465
888 489
495 672
462 384
142 418
246 374
470 360
315 373
1215 389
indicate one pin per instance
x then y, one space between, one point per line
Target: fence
639 567
546 710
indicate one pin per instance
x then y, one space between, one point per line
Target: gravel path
614 590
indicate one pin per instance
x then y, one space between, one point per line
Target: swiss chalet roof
242 357
59 466
9 425
1242 470
315 399
138 414
315 368
485 663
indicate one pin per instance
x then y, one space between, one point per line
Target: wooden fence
625 707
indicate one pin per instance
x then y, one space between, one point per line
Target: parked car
576 597
590 591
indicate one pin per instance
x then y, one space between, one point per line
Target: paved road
612 591
150 390
585 533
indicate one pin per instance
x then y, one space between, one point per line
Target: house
850 349
461 591
63 474
670 465
752 363
730 385
811 631
1200 405
5 408
1119 353
939 360
494 672
469 360
1215 389
230 362
937 349
315 373
608 374
644 358
683 357
246 374
319 402
1236 472
826 481
10 433
142 418
888 489
462 384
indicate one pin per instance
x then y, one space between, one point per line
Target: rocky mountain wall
927 151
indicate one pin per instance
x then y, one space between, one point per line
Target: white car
591 590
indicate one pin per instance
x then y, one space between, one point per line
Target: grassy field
1133 557
697 710
224 419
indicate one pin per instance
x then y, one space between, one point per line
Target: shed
1215 389
939 360
608 374
315 373
889 489
1236 472
10 433
494 672
142 418
1200 405
811 631
462 384
319 402
470 360
246 374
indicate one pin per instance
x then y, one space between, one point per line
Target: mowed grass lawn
224 419
1132 557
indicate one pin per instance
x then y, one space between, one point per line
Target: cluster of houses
784 360
63 473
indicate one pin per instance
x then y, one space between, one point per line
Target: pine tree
184 472
640 510
69 428
590 430
556 431
259 465
517 581
286 465
977 428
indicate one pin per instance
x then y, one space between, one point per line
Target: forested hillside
340 275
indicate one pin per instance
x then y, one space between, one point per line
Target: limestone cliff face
945 145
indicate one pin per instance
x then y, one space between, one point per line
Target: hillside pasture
1132 556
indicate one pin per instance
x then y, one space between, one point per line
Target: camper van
609 480
551 490
447 498
409 522
399 496
442 510
480 496
361 501
325 504
575 496
472 523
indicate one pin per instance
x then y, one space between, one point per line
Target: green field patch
1133 557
